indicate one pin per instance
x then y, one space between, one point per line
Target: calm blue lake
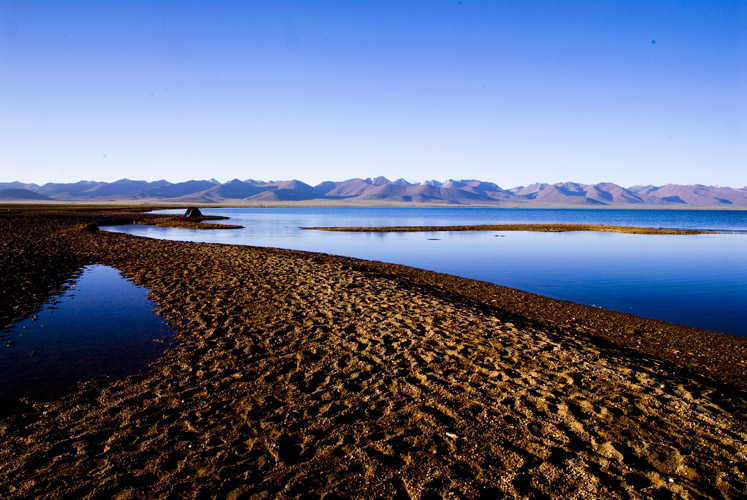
100 325
698 280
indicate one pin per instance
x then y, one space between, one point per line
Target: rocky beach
302 375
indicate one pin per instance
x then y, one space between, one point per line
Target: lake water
101 324
697 280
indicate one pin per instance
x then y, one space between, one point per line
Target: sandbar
545 228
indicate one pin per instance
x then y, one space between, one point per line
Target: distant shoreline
545 228
157 204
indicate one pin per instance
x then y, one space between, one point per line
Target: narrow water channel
100 325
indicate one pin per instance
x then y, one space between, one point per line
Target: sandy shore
306 375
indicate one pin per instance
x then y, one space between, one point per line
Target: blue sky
514 92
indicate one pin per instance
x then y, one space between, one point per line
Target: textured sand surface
305 375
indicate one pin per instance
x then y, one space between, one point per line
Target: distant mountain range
381 191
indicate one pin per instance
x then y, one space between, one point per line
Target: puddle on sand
100 325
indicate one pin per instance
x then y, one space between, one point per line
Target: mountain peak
381 189
378 181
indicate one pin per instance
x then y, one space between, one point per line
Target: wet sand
307 375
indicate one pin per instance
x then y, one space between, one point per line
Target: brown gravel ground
303 375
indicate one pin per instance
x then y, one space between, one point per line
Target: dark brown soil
312 376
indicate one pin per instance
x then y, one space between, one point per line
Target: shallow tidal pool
99 325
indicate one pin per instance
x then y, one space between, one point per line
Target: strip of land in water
188 222
308 374
546 228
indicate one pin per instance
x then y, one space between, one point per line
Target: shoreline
301 373
707 352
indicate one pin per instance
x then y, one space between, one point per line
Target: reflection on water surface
100 325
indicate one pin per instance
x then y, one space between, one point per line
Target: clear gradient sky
514 92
